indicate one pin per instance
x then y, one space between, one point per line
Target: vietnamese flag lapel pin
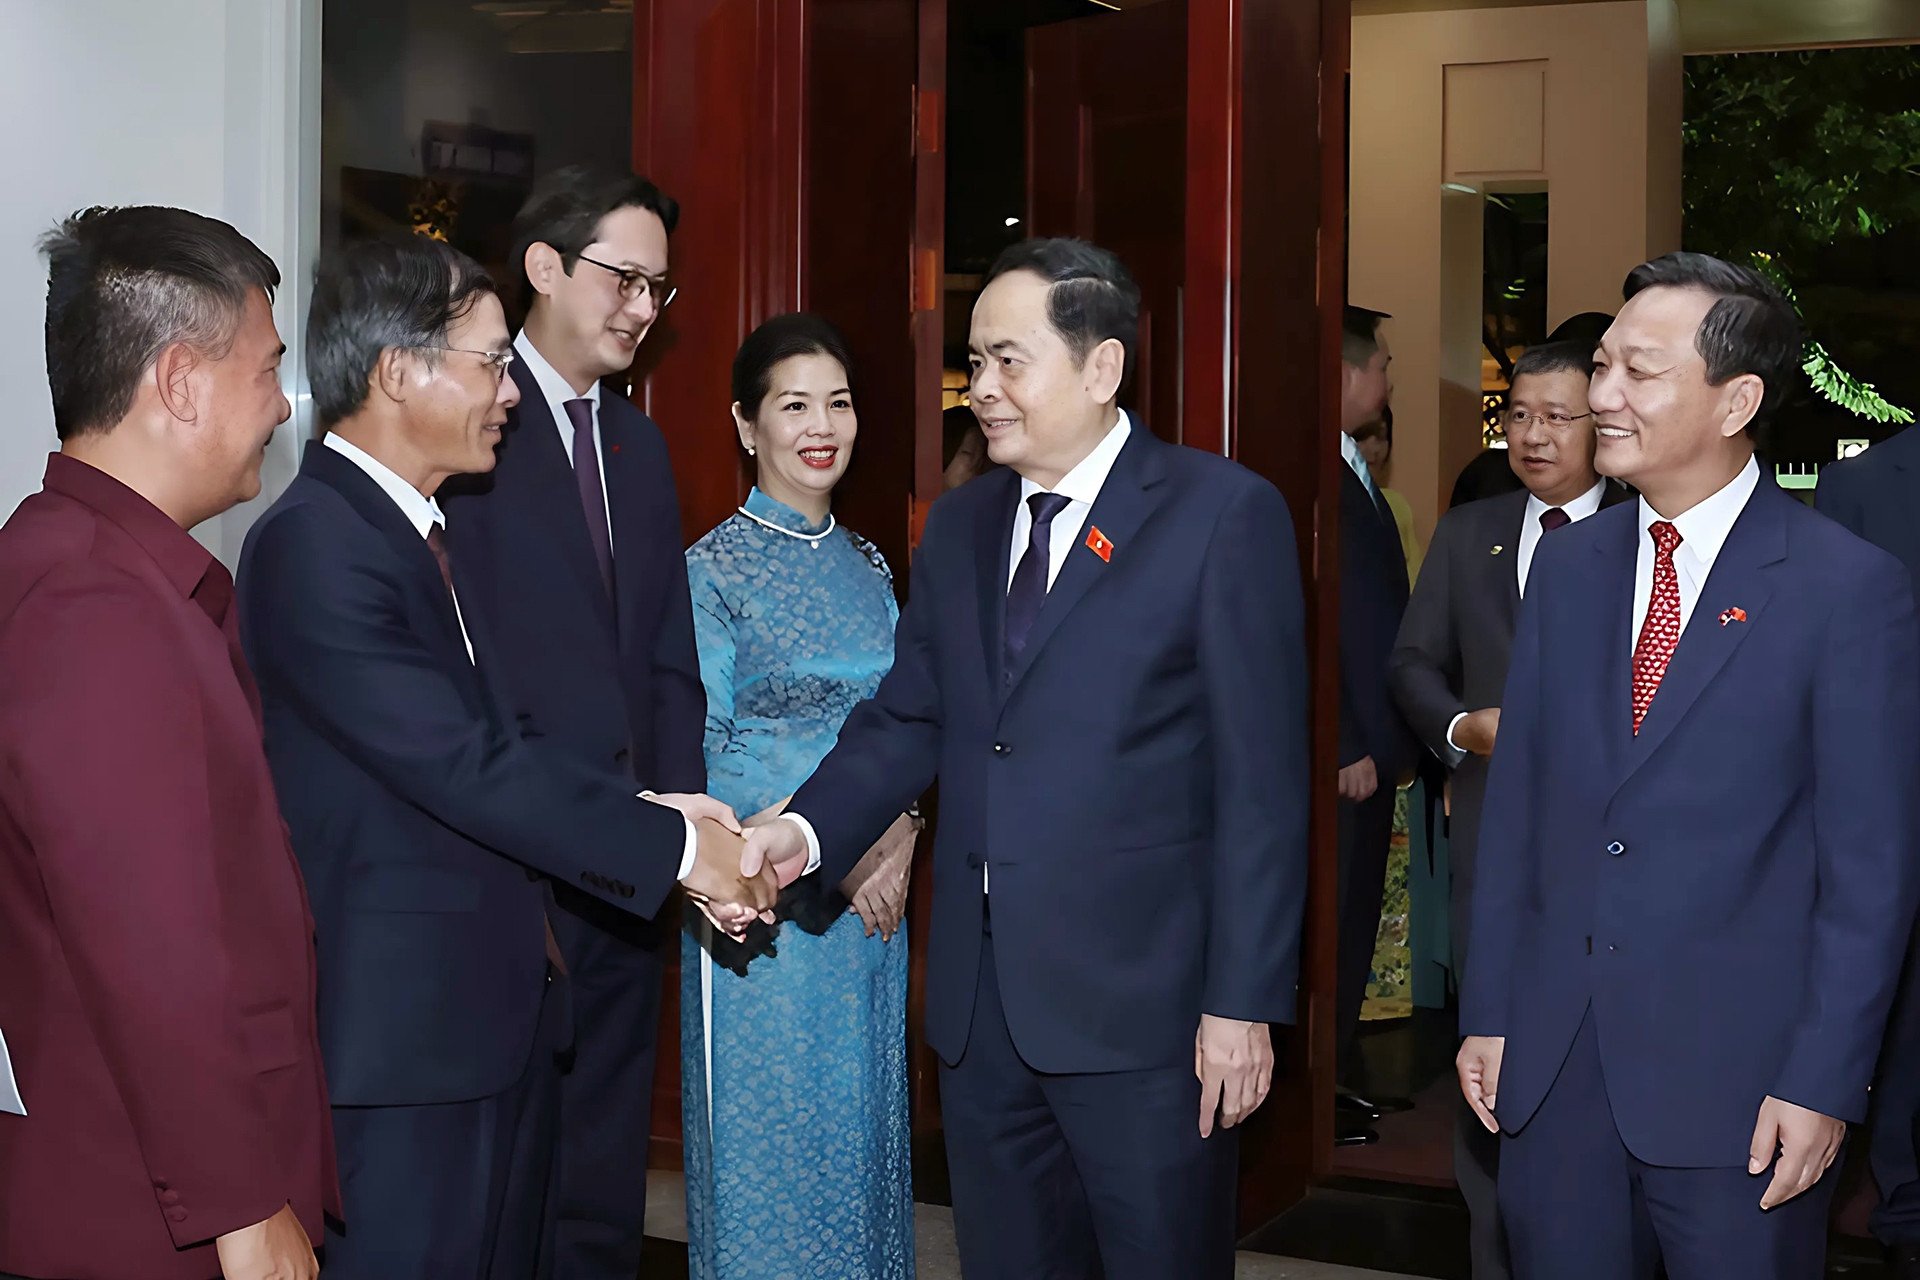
1099 544
1735 614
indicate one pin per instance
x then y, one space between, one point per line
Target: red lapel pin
1098 544
1735 614
613 448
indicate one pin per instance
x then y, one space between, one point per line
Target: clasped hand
716 884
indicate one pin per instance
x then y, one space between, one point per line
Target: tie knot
581 411
1045 506
1554 518
1665 536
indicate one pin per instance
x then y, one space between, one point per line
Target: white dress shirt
1530 529
557 392
1081 487
1703 531
1530 532
424 513
1350 451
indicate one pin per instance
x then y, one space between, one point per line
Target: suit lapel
992 561
340 474
626 499
1498 554
1741 578
1125 501
552 491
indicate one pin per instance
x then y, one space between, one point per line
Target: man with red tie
1698 856
156 950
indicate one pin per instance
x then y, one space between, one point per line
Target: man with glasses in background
1449 664
570 554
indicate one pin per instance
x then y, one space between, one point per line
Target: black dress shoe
1377 1104
1348 1105
1903 1261
1354 1135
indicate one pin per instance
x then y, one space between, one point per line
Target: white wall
211 105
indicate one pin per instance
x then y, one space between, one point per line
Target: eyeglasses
637 284
1520 419
498 361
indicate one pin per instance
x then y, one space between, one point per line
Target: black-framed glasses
498 361
635 285
1520 419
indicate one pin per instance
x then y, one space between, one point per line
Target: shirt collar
1083 483
1350 450
1705 525
773 511
554 387
1578 509
423 512
182 560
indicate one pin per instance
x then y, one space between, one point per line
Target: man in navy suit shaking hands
1697 862
1103 662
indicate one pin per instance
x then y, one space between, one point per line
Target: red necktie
1554 518
1660 633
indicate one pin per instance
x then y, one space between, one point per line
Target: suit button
973 862
1616 848
169 1197
176 1214
161 1184
1001 749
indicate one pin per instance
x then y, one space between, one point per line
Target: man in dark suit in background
1103 662
1877 495
156 954
570 557
1706 768
1375 747
1450 662
424 822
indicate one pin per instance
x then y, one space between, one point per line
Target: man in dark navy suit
1376 749
1449 664
1697 863
1103 662
1877 495
570 554
425 824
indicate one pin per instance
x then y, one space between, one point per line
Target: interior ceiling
1725 26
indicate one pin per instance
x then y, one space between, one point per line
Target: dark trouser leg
606 1107
1894 1150
1476 1167
1018 1205
1365 831
1710 1225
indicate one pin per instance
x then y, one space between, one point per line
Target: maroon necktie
593 499
1554 518
437 543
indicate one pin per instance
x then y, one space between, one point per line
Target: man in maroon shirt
156 952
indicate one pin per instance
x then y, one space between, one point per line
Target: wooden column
1265 279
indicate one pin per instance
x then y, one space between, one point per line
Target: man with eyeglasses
1450 662
571 555
429 828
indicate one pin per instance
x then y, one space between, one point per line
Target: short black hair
396 292
1554 357
1360 335
566 207
1585 329
1093 298
782 338
125 284
1752 328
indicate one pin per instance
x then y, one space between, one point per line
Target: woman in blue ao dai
794 1044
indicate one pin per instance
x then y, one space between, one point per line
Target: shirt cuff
1459 752
690 851
813 841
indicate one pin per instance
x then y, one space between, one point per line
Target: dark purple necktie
1028 590
1554 518
593 499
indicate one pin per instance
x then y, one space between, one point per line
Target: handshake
738 871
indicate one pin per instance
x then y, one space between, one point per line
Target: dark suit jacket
156 953
1139 786
1373 595
1731 890
523 563
1877 496
1451 655
421 819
